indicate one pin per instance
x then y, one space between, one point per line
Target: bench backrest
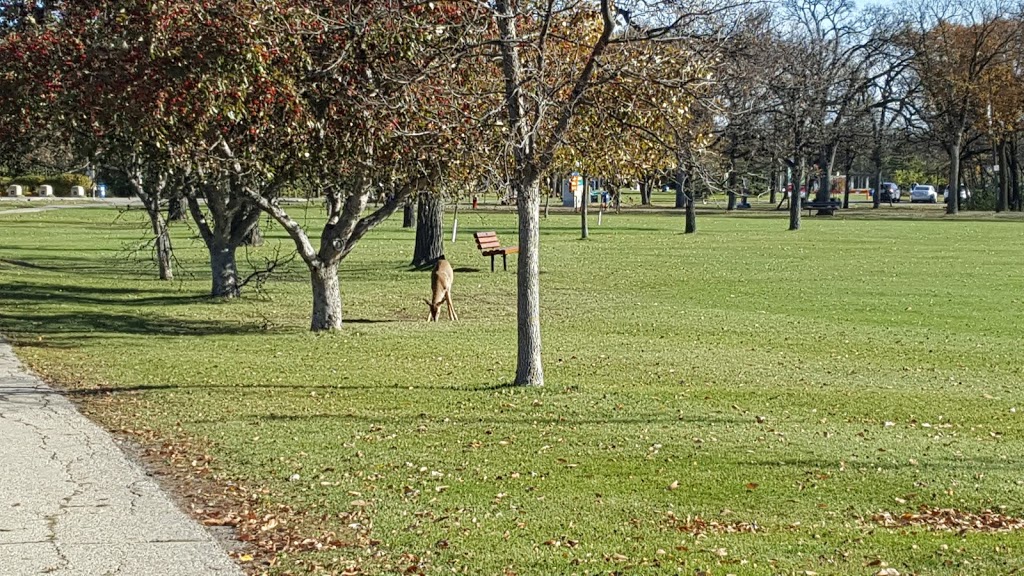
486 240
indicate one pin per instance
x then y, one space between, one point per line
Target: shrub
982 199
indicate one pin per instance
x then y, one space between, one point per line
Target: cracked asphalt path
72 504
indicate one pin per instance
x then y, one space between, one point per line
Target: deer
441 282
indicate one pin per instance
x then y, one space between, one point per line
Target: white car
965 194
923 193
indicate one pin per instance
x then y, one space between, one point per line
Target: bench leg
504 262
492 262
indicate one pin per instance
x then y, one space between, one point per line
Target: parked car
890 192
965 194
924 193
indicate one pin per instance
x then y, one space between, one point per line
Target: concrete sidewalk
72 504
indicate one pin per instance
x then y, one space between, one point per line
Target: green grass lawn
740 401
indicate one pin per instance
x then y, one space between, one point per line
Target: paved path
72 504
46 205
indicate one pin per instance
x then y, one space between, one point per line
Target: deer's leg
451 307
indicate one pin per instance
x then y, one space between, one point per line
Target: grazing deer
441 282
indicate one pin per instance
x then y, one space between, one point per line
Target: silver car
924 193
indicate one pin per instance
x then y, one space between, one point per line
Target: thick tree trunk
175 209
529 369
846 190
254 237
224 270
691 215
1003 196
682 199
584 208
429 231
794 199
952 204
773 180
409 213
645 191
326 298
681 188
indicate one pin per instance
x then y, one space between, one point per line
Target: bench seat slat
489 245
500 251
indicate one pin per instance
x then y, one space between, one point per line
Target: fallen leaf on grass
949 519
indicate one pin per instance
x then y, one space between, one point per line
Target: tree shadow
18 292
365 321
68 330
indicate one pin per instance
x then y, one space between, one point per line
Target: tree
376 84
548 79
955 45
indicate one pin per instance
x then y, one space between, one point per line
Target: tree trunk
825 182
175 209
681 188
645 191
225 272
161 233
1015 176
429 231
691 215
876 158
846 190
1003 197
952 205
773 180
254 237
529 369
409 213
164 251
731 202
326 298
584 204
794 199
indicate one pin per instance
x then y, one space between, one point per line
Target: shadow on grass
66 330
366 321
17 293
113 390
68 264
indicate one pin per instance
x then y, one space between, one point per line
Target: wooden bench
489 245
822 205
